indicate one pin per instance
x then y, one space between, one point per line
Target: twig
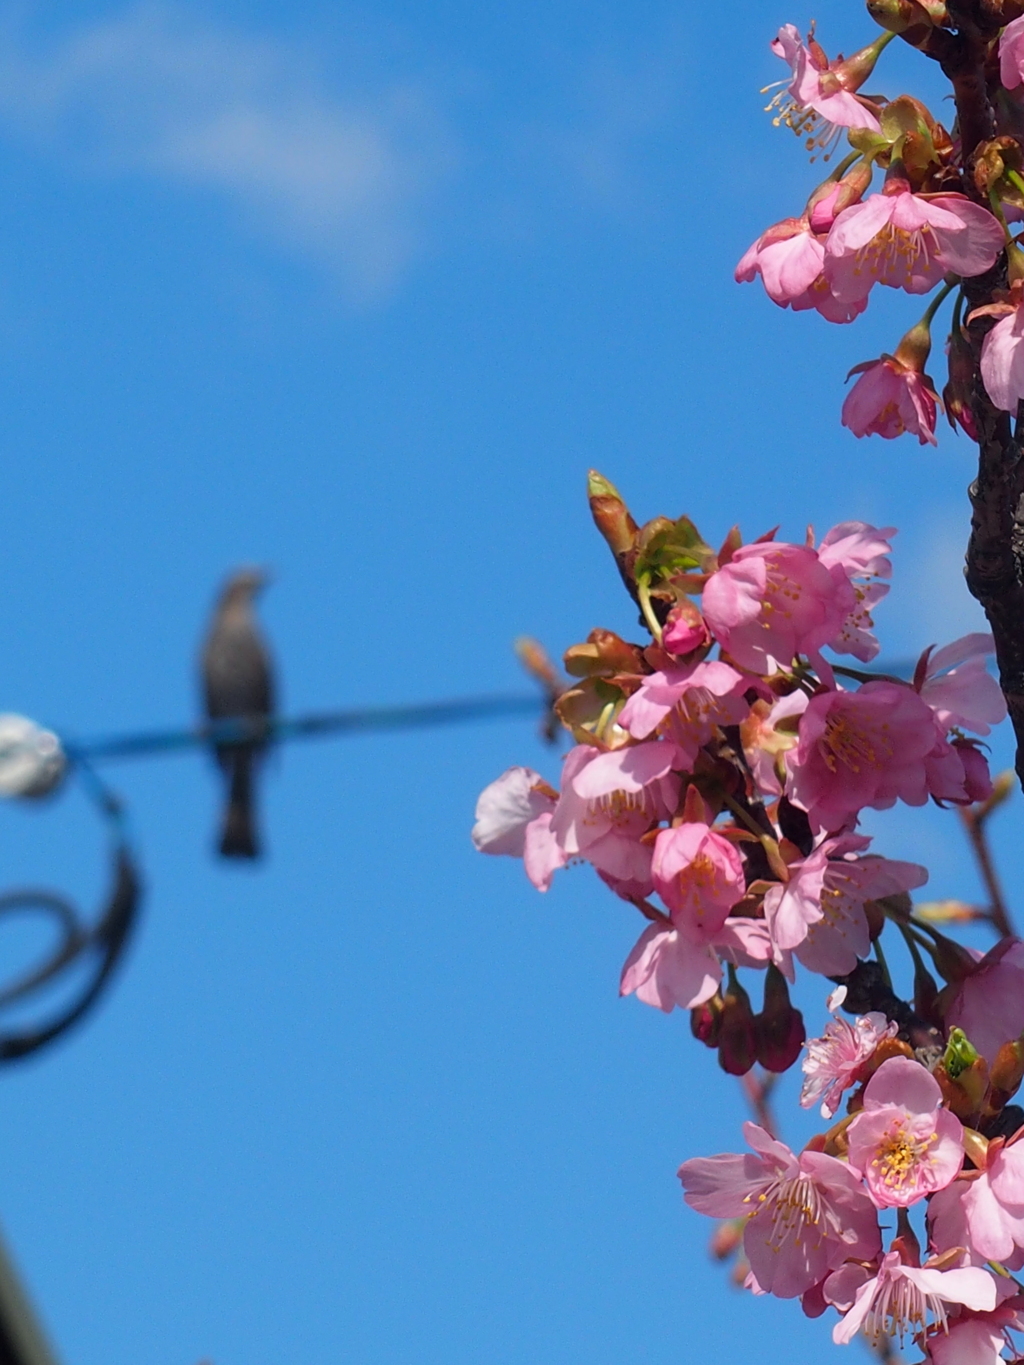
758 1090
973 819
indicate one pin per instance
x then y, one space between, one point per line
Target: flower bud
685 629
965 1095
899 16
1008 1068
960 1053
957 393
779 1028
977 778
851 73
726 1239
737 1043
833 195
602 656
953 962
611 515
706 1020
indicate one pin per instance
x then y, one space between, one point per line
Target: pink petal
858 225
542 855
904 1082
971 1286
628 770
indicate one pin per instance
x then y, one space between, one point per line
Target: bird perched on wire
238 684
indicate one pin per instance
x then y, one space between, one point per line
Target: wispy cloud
342 169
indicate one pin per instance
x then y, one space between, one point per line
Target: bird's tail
238 834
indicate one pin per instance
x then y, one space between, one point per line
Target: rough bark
995 552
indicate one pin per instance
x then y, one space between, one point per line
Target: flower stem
644 594
939 299
880 955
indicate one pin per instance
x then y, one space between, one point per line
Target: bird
238 683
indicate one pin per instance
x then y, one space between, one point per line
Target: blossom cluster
716 781
940 218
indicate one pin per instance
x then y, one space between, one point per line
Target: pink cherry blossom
815 109
1011 54
1002 361
819 912
977 778
969 1341
862 552
790 257
889 399
506 807
607 802
989 1004
767 734
668 970
908 241
898 1300
772 602
672 969
994 1204
699 875
696 698
903 1142
834 1061
959 688
871 747
808 1214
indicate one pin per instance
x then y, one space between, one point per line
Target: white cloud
344 174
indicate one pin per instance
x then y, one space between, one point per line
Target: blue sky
360 292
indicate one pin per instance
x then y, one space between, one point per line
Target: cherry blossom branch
995 552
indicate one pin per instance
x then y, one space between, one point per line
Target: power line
352 720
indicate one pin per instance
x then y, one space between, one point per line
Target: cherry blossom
834 1061
699 875
728 788
1002 359
871 747
815 104
807 1213
898 1300
668 970
959 688
993 1204
819 912
890 399
790 259
696 698
908 241
506 807
989 1004
862 552
773 601
1011 54
969 1341
902 1141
